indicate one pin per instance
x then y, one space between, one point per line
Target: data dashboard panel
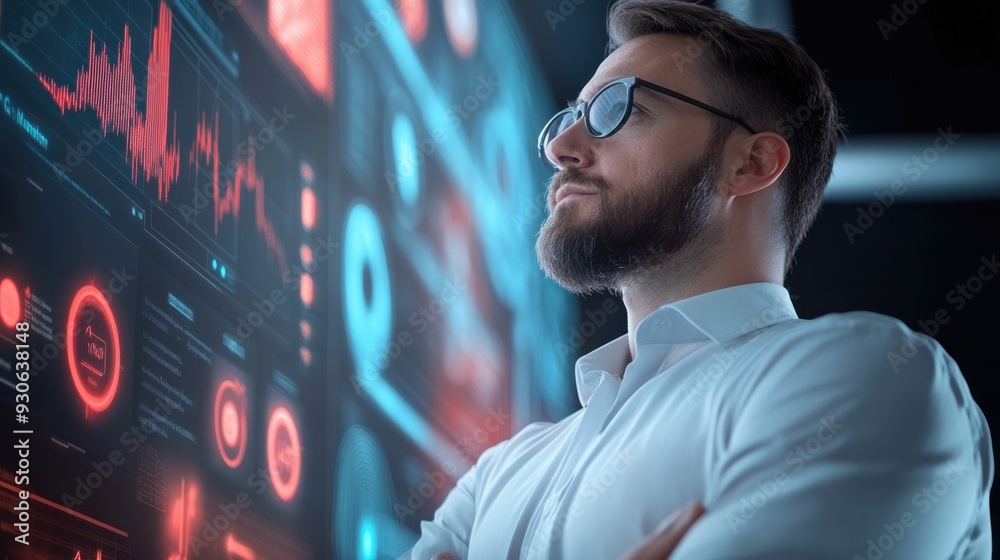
273 261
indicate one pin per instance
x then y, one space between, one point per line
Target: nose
571 148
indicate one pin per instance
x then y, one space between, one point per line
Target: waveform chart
230 422
93 348
108 86
210 161
284 453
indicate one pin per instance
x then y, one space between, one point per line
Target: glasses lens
608 109
560 123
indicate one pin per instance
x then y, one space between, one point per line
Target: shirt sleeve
451 527
856 439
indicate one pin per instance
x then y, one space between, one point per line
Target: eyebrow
645 93
579 99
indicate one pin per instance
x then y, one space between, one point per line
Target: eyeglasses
609 109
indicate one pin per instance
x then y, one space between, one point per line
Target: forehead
660 58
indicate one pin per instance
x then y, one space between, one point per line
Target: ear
756 163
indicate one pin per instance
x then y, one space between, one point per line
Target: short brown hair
761 76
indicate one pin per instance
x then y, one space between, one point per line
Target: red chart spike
108 87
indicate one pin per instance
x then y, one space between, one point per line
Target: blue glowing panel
452 333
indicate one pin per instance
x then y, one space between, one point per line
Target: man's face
654 182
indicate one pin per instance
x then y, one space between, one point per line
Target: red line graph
228 201
109 88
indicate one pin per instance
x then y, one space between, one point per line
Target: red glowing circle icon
231 422
284 457
10 303
94 352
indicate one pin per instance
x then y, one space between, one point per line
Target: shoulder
864 367
859 343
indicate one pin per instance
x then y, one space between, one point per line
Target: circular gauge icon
93 348
284 453
231 422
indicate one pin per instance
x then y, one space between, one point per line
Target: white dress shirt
845 437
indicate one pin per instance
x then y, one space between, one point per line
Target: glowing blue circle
368 321
223 271
406 155
367 540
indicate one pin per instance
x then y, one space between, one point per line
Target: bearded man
720 426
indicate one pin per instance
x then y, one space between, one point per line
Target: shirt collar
719 316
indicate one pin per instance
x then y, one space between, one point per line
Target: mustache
577 177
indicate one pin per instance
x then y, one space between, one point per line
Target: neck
697 272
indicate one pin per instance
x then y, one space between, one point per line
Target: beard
646 227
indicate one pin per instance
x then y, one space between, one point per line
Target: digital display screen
267 279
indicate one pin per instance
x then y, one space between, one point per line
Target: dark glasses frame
583 110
